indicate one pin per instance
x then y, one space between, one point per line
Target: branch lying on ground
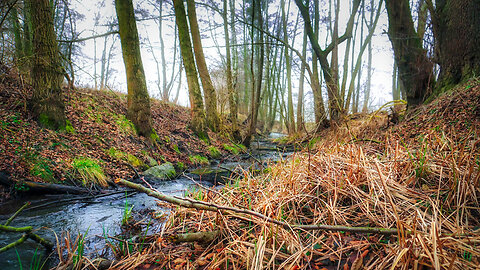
27 233
190 203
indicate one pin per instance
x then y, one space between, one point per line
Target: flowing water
53 215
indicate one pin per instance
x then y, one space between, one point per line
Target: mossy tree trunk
138 101
457 31
213 121
47 75
414 68
198 113
17 36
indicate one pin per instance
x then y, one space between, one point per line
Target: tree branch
190 203
87 38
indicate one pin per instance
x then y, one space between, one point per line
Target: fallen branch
205 237
16 214
27 230
190 203
28 234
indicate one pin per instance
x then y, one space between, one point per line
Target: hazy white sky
382 52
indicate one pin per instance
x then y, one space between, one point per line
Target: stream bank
102 215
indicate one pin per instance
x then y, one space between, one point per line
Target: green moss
130 158
214 152
134 161
180 166
235 148
199 160
154 136
89 171
175 147
69 128
115 153
124 124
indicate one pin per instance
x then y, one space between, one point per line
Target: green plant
214 152
89 171
232 149
69 128
124 124
78 257
134 161
180 166
140 249
175 147
198 160
127 212
42 169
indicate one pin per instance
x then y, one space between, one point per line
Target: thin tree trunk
213 121
332 85
198 113
257 83
300 124
232 93
288 64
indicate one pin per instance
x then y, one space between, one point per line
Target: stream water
97 217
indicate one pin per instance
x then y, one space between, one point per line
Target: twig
190 203
28 234
16 214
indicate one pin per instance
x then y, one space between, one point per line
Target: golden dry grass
421 177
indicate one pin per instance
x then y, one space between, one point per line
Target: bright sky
382 52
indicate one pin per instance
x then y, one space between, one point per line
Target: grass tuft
89 172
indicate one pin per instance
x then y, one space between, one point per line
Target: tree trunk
47 76
300 124
257 82
198 113
213 121
138 101
332 84
232 93
288 64
457 31
414 68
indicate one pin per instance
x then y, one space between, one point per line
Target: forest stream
100 216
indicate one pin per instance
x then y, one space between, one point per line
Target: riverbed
101 216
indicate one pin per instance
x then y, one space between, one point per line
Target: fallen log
42 187
245 213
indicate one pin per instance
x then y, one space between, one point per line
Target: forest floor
420 178
97 137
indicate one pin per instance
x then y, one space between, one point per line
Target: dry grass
422 177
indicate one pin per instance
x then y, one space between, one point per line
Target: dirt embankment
98 137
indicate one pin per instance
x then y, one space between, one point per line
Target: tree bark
213 121
198 124
232 93
47 73
288 64
457 32
138 101
415 69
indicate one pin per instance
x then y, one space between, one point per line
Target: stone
164 171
